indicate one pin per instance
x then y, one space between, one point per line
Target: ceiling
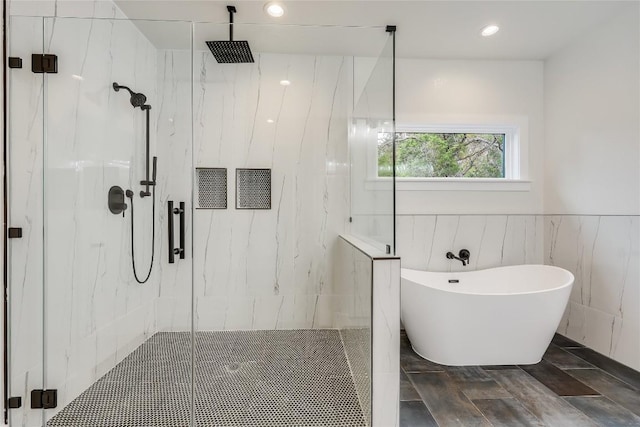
426 29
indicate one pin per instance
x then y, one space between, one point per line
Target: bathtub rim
568 283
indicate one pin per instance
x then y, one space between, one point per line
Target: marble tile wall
174 150
269 269
65 8
95 313
352 288
367 290
386 343
493 240
603 253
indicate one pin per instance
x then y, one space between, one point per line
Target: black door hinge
46 399
14 232
44 63
15 62
14 402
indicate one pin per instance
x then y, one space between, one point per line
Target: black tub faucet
463 256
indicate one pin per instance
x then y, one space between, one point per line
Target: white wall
498 227
592 151
437 91
592 183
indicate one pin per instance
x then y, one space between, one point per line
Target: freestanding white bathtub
498 316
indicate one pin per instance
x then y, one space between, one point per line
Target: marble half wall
603 252
493 240
367 286
352 283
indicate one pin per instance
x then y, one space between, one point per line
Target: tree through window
442 155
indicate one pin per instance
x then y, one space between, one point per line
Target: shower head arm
232 10
117 88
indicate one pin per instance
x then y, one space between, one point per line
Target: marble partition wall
493 240
603 253
270 269
367 292
71 288
352 287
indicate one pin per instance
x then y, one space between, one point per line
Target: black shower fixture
137 99
231 51
116 194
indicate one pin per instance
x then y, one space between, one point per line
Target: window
489 155
427 154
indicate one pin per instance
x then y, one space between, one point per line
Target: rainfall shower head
231 51
137 99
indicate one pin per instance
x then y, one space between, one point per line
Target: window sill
450 184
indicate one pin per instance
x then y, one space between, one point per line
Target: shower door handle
171 212
180 211
170 222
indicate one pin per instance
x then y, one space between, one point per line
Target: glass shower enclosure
227 185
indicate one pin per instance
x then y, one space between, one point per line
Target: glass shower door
117 332
25 96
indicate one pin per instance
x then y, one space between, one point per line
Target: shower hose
153 236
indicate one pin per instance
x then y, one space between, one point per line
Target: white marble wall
89 138
386 343
352 288
493 240
271 269
174 118
603 253
367 290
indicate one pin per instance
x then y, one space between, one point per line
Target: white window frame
516 177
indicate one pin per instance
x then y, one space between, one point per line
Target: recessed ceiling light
77 77
274 9
270 121
490 30
285 82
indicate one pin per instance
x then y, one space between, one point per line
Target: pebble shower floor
241 378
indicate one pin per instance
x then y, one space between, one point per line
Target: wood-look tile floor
571 386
